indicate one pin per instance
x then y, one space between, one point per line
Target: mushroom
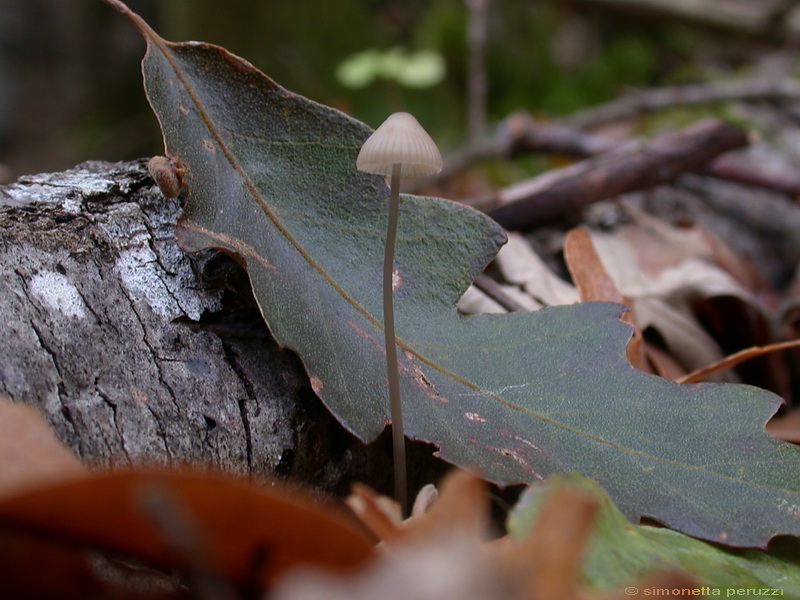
400 147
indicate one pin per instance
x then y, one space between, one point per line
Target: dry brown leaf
740 269
32 568
443 555
683 336
786 427
665 270
250 534
436 570
595 284
476 302
462 506
520 265
658 245
36 566
549 559
588 274
30 454
380 514
436 555
663 363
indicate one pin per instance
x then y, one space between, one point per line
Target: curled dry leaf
549 558
440 553
459 505
380 514
32 566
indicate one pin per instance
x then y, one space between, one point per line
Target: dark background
70 84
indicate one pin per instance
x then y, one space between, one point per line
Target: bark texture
140 354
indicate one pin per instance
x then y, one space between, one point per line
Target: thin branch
520 134
493 289
531 136
757 19
630 167
651 100
735 359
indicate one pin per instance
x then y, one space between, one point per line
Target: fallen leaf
249 535
444 554
30 454
550 555
438 554
270 178
520 265
595 285
33 568
665 271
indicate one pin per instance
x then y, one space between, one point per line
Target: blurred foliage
301 44
541 56
421 69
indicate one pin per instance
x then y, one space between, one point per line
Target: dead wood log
142 355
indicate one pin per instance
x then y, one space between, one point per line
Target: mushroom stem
392 369
399 147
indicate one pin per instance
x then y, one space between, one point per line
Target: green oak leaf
271 178
620 553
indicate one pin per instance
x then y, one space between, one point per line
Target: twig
531 136
735 359
754 19
630 167
749 90
520 134
492 289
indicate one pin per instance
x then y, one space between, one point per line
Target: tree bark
142 355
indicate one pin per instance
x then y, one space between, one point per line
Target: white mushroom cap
400 139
